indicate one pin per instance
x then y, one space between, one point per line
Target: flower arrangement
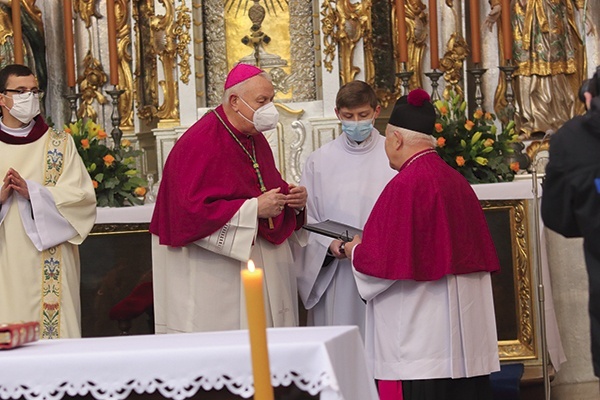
472 146
113 171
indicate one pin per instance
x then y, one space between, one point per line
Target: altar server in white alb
424 266
47 208
343 179
222 202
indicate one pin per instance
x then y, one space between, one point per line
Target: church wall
570 291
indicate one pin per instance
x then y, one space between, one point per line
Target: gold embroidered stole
52 258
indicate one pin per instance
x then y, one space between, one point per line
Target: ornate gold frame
523 346
117 229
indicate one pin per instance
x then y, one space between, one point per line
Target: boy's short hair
354 94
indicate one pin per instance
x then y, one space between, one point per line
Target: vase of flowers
473 146
116 180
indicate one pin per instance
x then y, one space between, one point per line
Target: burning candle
17 32
506 30
252 279
433 35
475 34
69 42
112 41
402 44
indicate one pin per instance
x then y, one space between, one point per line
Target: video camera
591 85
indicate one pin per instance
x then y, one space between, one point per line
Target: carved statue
416 29
549 52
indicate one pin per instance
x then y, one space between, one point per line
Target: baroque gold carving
5 27
523 346
456 53
182 36
303 29
165 48
344 24
86 10
6 30
118 229
146 82
416 23
92 79
125 76
452 63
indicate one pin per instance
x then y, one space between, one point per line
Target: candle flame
251 266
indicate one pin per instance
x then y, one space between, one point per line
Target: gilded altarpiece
289 56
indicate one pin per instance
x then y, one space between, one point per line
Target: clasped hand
272 203
13 181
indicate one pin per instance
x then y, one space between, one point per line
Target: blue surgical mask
358 131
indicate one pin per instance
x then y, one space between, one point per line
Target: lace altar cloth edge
326 360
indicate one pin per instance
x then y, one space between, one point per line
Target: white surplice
343 180
198 287
432 329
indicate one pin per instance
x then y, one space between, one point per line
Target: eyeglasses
35 92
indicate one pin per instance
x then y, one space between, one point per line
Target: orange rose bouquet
472 145
114 174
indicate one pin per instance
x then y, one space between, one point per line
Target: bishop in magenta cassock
423 265
222 202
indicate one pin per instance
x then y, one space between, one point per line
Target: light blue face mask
358 131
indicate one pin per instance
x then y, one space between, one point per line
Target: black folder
334 229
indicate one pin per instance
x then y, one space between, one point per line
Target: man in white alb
47 208
325 280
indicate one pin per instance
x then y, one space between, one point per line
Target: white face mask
25 107
265 118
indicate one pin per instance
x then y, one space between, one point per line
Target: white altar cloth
519 189
325 360
125 215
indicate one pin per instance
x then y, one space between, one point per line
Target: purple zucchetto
240 73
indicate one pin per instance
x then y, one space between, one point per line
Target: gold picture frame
512 286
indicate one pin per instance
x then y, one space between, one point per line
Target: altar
122 234
328 362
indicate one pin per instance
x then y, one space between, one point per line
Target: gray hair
238 88
412 138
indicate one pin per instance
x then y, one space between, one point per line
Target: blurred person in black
571 195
